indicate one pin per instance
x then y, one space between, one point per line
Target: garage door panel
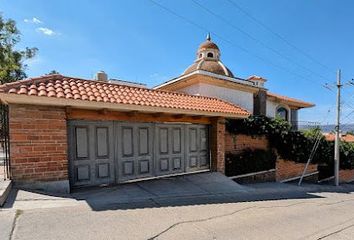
92 153
177 163
176 140
163 140
193 161
169 151
134 151
127 142
193 142
106 152
144 166
82 173
203 139
164 164
143 141
102 142
103 170
197 148
82 142
128 168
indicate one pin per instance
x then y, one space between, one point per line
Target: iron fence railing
298 125
5 141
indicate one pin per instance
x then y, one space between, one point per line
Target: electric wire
254 38
234 44
282 38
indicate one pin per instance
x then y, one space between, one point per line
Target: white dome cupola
208 59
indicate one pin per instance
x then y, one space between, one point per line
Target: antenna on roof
208 37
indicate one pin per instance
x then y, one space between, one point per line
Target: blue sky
137 40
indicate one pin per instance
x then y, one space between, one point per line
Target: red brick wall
218 145
38 139
346 175
237 143
284 169
289 169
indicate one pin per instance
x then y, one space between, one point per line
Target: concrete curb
5 188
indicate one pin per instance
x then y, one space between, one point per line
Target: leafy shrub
258 125
249 161
293 145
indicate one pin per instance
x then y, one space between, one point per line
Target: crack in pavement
197 220
244 209
338 231
332 233
334 203
17 215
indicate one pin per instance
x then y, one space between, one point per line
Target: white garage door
114 152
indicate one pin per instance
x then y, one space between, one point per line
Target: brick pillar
38 145
217 145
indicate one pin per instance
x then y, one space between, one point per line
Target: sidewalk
162 209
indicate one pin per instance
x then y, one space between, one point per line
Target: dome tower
208 59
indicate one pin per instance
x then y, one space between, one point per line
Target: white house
208 76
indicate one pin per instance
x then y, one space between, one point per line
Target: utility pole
337 139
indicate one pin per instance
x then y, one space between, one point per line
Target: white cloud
46 31
34 20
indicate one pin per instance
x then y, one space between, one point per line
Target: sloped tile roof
58 86
344 137
292 101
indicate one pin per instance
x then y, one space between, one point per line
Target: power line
234 4
254 38
233 44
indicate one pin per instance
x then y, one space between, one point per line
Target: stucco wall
272 106
241 98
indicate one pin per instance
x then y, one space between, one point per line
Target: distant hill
330 127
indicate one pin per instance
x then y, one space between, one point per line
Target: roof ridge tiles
76 88
48 77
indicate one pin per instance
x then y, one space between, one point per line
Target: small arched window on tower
210 55
282 113
200 55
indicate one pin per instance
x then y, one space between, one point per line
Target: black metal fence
5 141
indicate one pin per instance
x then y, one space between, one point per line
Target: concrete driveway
190 207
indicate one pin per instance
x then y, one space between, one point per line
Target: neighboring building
343 137
208 76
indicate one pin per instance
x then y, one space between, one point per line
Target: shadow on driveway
196 189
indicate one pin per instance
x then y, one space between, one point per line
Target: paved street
259 211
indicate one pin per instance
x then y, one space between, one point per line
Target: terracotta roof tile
58 86
344 137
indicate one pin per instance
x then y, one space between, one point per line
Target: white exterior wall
240 98
272 107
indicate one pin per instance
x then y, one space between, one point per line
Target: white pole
337 139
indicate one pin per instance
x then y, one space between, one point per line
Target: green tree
12 66
313 132
53 72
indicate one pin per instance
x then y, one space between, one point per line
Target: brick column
38 145
217 145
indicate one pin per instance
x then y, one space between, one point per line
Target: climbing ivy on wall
292 145
249 161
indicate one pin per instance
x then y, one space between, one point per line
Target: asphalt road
311 212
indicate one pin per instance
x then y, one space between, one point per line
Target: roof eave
93 105
292 103
202 72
